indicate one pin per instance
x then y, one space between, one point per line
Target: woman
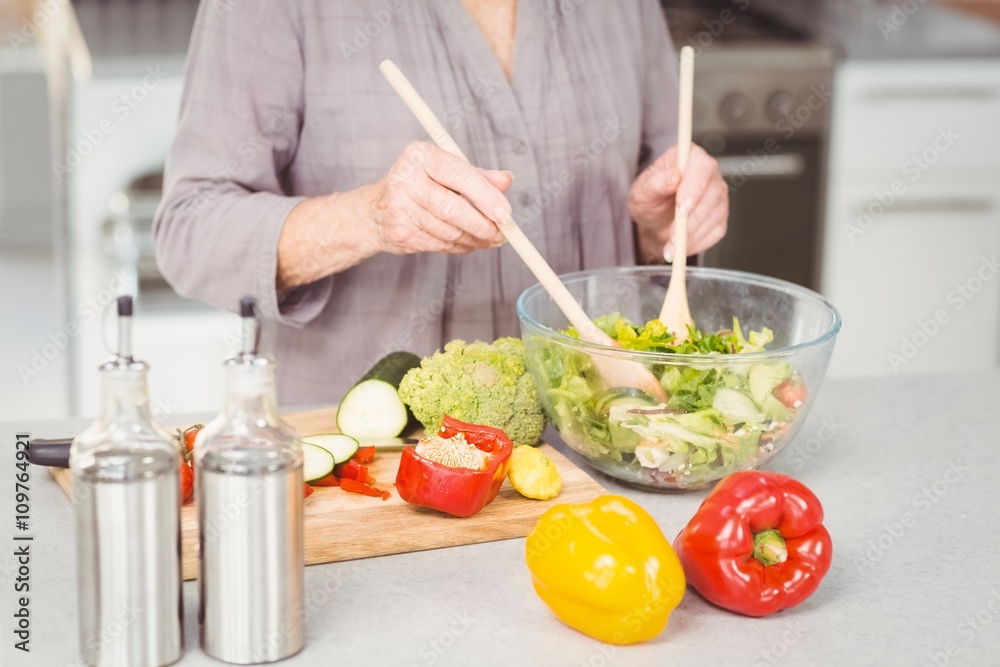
299 177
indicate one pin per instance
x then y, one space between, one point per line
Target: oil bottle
249 491
126 492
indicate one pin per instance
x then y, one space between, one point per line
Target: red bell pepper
364 455
329 480
457 491
757 544
354 486
353 470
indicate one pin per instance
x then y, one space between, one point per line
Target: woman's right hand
432 201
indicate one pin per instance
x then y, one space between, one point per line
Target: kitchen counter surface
907 469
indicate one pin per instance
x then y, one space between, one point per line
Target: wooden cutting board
333 516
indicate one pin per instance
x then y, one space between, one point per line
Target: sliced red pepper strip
354 486
329 480
457 491
354 470
364 454
757 544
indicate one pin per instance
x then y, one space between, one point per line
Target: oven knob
735 109
780 105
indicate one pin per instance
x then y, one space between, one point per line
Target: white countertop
916 567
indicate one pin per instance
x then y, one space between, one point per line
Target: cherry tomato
187 480
188 435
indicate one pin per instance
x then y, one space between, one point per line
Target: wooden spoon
675 314
614 372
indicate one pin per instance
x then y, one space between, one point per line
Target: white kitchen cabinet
118 139
888 114
912 234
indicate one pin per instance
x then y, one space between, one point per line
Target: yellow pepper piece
605 569
533 474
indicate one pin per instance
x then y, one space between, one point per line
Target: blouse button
519 146
524 200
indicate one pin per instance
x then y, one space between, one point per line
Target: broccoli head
479 383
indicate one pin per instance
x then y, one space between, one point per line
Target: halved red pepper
757 544
460 492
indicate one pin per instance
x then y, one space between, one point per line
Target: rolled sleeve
299 305
225 201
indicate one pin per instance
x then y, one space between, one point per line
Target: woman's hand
659 190
432 201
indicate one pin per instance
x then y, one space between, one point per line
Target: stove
752 71
761 107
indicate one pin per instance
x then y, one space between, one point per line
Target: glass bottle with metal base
249 491
127 503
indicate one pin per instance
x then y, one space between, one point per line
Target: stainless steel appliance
128 235
762 101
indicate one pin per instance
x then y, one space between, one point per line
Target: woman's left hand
659 190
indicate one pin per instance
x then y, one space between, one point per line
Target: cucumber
763 378
776 410
372 407
317 462
735 406
622 396
341 447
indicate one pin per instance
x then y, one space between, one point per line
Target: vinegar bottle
249 491
127 502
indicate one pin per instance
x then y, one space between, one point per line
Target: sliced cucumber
341 447
372 407
763 378
317 462
776 410
735 406
622 396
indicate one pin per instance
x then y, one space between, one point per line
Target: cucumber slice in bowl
317 462
341 447
372 407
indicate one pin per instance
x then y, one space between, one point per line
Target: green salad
716 420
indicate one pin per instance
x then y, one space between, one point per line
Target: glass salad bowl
725 412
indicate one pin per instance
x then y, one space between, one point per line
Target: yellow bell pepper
532 474
605 569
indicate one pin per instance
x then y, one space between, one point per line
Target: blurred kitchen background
860 140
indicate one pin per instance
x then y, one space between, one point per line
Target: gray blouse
283 100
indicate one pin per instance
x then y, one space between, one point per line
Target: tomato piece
329 480
187 480
792 392
386 495
365 454
308 490
354 486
